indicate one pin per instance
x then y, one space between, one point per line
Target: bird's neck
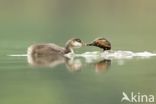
68 49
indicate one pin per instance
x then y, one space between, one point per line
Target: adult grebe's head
101 43
73 43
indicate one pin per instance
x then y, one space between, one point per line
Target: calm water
86 83
129 25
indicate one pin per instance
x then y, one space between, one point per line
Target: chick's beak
90 44
83 43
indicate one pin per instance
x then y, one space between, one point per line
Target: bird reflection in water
73 64
53 60
102 66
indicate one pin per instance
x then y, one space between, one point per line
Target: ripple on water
117 54
95 56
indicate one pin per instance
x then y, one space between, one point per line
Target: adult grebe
101 43
53 49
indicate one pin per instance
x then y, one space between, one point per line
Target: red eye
98 42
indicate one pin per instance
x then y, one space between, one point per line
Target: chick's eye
78 40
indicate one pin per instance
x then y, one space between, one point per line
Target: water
89 77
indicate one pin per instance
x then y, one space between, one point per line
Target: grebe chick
101 43
48 49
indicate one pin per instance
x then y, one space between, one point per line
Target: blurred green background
128 24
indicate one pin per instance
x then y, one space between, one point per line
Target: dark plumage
101 43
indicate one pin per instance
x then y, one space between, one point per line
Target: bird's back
45 53
45 49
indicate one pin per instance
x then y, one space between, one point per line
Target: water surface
97 80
